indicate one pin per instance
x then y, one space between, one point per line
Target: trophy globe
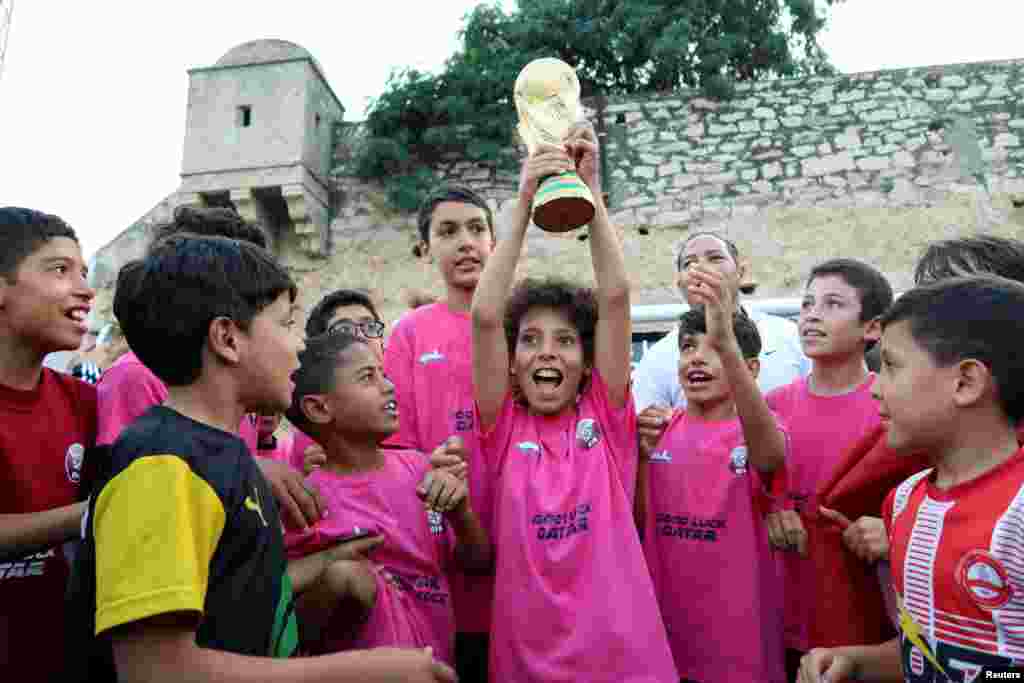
547 95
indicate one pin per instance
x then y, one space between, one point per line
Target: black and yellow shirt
182 521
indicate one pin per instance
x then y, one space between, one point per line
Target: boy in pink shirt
705 538
825 413
401 593
128 388
573 599
343 310
428 357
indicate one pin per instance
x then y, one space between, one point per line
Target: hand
583 148
442 491
354 551
710 288
650 425
822 665
451 457
866 538
546 160
786 531
408 666
300 504
313 458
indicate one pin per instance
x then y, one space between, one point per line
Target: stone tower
258 136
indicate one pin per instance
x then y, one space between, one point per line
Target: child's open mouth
391 408
698 377
548 377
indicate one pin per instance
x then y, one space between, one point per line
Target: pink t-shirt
413 607
284 449
573 599
128 389
707 547
429 358
821 430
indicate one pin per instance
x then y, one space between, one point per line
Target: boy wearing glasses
350 311
343 311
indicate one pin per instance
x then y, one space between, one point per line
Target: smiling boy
47 420
952 386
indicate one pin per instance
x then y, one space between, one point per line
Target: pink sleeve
619 424
124 393
398 366
495 442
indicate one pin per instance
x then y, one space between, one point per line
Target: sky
93 94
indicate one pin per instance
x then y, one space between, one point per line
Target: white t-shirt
656 377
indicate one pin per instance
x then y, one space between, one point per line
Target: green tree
616 46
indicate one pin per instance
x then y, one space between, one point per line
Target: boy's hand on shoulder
301 506
412 666
451 457
709 287
442 491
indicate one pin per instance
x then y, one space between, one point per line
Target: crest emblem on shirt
528 447
431 357
738 460
73 462
661 456
587 433
984 579
436 521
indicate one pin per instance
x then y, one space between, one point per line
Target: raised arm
766 444
490 350
613 337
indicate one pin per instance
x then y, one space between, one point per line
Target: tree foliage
616 46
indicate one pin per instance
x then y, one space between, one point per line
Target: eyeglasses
371 329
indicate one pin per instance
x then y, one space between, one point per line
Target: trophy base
563 203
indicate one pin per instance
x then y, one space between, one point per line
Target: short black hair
979 317
873 288
578 304
23 232
321 314
209 222
316 371
980 254
166 301
450 193
747 335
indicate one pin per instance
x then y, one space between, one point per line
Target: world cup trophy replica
547 98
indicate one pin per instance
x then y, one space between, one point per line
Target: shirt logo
433 356
587 433
738 460
436 521
527 447
73 462
255 506
984 579
661 456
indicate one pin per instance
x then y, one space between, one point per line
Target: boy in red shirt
47 421
950 386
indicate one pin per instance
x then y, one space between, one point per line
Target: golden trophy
547 98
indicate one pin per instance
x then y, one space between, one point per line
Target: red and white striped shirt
958 567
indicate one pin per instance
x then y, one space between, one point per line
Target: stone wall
872 166
897 138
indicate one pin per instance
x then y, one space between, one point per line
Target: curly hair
578 304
